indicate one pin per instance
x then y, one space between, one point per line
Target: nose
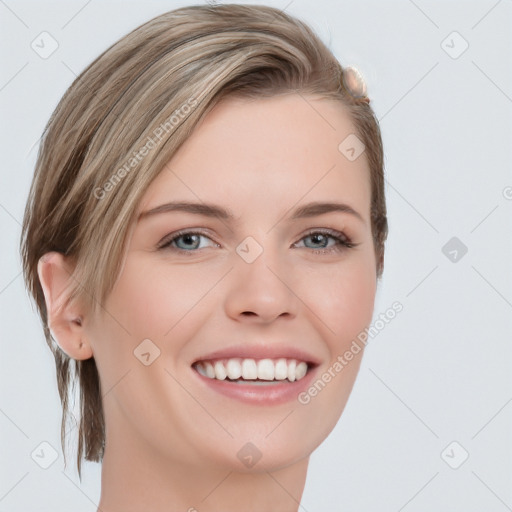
260 292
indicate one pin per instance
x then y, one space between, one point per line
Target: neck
135 477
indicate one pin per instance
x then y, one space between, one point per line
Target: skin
171 442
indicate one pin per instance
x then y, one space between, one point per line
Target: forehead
267 152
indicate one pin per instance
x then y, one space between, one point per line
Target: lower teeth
256 382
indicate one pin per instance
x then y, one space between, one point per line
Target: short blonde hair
124 118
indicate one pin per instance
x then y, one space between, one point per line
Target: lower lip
270 394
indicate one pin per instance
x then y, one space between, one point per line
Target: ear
65 321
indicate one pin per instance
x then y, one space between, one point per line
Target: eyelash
342 241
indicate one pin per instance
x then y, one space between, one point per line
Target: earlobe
64 320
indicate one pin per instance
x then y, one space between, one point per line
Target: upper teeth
251 369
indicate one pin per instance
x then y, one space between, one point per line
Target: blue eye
185 241
322 242
326 241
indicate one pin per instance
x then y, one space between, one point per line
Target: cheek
353 301
150 299
342 298
139 307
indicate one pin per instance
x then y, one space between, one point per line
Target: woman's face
238 265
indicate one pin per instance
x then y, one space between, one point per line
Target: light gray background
440 371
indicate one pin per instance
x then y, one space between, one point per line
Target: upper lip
270 351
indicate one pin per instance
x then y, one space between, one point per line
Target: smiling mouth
253 371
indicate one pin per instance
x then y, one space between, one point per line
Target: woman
203 238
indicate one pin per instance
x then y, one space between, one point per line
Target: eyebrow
211 210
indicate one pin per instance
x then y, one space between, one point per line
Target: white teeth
291 370
280 370
253 371
210 372
234 368
266 369
301 370
220 371
249 369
